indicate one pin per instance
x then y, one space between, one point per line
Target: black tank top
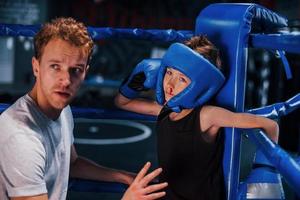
191 166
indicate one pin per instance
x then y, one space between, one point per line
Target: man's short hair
67 29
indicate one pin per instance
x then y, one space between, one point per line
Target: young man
36 140
190 145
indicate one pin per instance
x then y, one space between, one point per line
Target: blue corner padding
229 26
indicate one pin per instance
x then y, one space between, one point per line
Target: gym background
113 59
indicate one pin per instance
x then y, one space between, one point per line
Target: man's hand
140 190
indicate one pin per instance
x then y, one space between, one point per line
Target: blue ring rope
281 41
168 35
283 162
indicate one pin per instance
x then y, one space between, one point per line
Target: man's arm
86 169
138 189
38 197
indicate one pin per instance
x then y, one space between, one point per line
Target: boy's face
59 74
174 83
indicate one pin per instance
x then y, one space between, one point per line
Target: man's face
59 74
174 82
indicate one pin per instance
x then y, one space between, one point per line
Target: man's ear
35 66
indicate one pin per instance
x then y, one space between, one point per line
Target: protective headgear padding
205 78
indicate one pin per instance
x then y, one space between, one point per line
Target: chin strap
165 111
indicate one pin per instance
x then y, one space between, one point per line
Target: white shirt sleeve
69 117
23 165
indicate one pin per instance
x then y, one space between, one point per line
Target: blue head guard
205 78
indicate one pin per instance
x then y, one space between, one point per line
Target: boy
190 144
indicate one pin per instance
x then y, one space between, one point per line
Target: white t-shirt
34 151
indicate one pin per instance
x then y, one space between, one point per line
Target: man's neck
51 113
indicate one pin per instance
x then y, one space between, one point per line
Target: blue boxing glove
142 78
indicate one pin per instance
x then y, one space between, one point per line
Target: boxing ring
233 28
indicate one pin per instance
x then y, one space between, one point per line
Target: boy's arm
212 116
138 105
